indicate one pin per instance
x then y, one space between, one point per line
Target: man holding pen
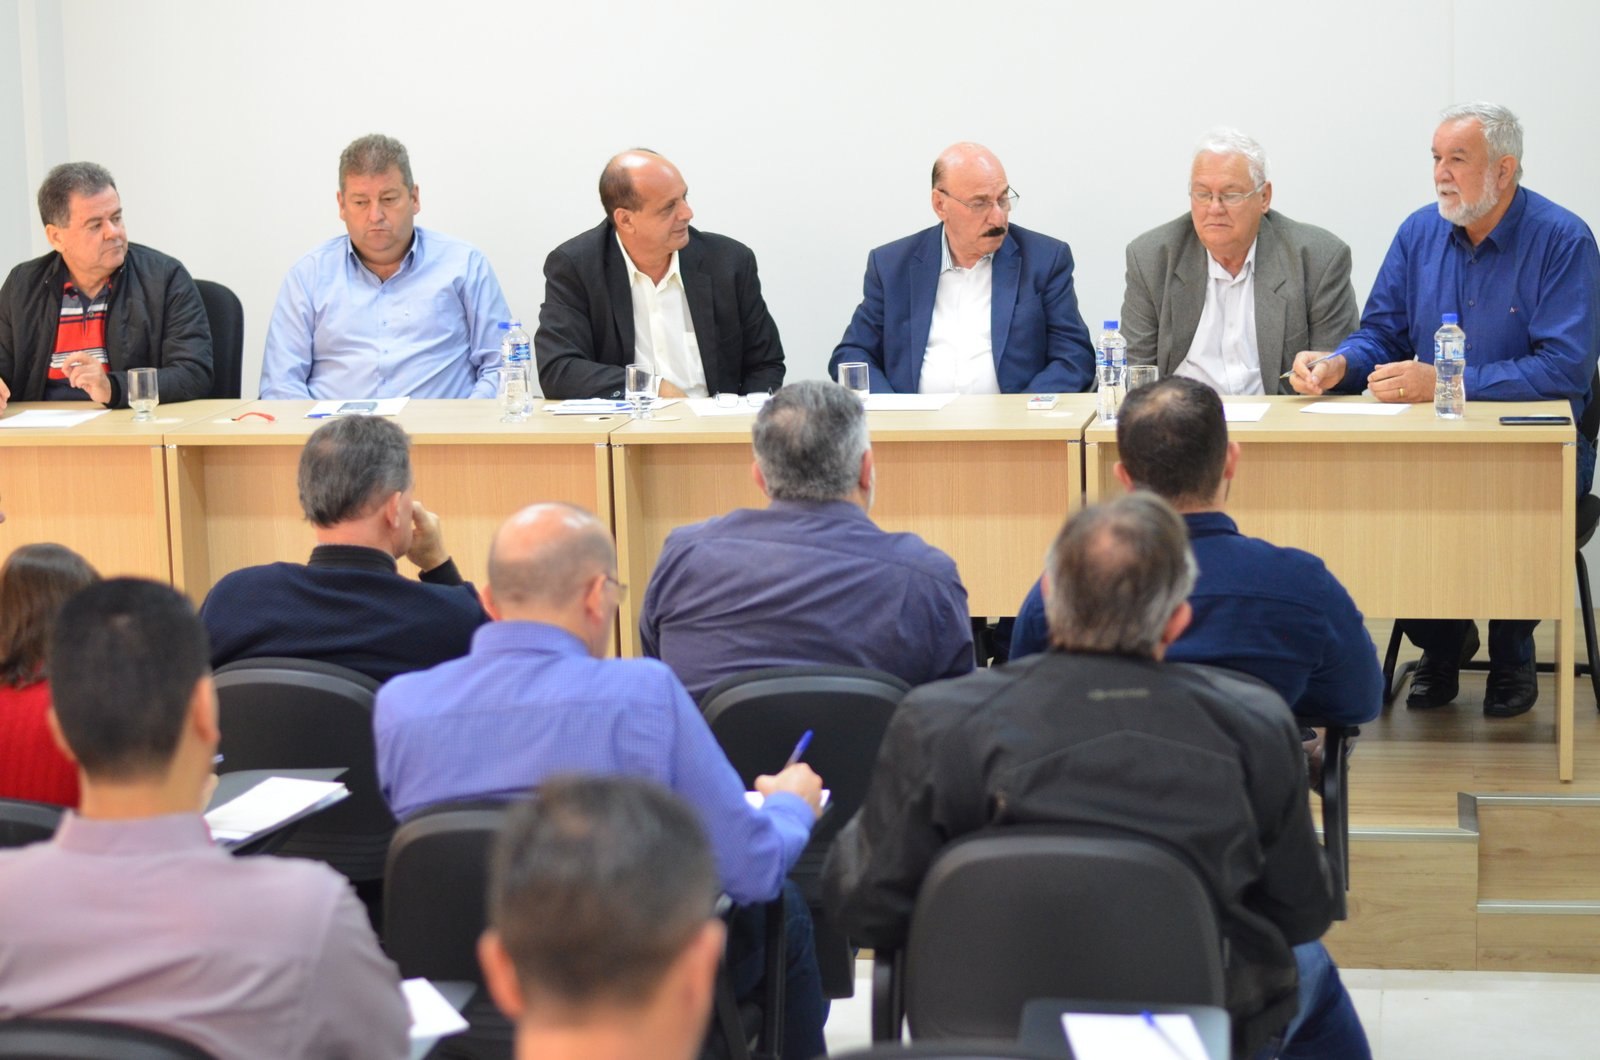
1523 274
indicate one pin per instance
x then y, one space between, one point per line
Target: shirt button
1471 302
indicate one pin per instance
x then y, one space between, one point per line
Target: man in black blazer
642 287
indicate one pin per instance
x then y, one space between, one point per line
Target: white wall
804 130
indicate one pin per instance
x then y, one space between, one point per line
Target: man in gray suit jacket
1230 293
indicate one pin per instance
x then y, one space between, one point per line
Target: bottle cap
1449 318
505 326
1111 325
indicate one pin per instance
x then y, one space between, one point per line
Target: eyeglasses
622 588
1006 200
1204 196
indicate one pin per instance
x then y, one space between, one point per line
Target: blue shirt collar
1209 524
1504 234
840 509
407 263
511 637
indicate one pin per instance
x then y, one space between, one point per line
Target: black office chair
758 716
1334 788
297 714
434 894
1026 912
225 314
1588 519
51 1039
23 822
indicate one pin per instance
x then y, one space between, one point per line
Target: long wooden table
99 488
984 479
232 499
1418 517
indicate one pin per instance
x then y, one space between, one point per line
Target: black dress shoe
1436 682
1511 691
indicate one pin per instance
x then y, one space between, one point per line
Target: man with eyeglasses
1229 294
973 305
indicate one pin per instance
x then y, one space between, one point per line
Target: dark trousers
805 1010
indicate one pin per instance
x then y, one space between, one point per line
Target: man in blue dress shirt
810 578
536 698
389 310
1523 275
1277 614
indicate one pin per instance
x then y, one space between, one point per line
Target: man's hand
1319 379
1407 382
427 543
5 394
85 373
797 779
669 390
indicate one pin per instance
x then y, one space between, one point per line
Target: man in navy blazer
973 305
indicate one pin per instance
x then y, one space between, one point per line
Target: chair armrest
888 994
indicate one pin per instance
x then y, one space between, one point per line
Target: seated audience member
35 581
602 941
1101 734
74 321
1523 275
1231 291
810 578
643 287
349 604
388 309
973 305
536 698
130 914
1274 613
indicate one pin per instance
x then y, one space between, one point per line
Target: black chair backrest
434 890
225 314
23 822
968 1050
757 718
298 714
1007 916
51 1039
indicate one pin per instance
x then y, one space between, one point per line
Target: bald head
545 556
617 189
972 196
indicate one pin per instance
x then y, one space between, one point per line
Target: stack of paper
908 402
50 418
1160 1037
601 406
271 804
432 1015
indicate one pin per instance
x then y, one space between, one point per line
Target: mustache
999 231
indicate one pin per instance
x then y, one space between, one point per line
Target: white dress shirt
1223 354
663 330
960 355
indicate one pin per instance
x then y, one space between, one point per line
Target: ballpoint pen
1312 364
799 749
1160 1031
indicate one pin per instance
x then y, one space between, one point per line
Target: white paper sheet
1096 1036
431 1015
709 407
51 418
1244 411
602 406
381 407
269 802
1351 408
908 402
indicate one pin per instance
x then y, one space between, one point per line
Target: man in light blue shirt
389 310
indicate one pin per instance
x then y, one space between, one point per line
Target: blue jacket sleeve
1030 634
863 339
1346 686
1069 364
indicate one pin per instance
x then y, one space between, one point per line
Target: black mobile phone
1534 421
356 408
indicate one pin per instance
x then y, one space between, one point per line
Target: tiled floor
1409 1015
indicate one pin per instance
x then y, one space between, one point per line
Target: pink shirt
145 922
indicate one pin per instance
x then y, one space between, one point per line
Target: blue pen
1312 364
799 749
1150 1021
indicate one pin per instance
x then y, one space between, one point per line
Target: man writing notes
1523 275
973 305
388 309
642 287
1229 294
74 321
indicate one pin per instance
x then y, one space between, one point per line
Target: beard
1463 213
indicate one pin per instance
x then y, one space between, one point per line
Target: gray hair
1501 129
809 441
349 465
65 181
551 571
1224 140
372 156
1117 573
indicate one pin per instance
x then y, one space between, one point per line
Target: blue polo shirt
1275 613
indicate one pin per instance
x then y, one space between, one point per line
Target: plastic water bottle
1111 365
516 368
1450 369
